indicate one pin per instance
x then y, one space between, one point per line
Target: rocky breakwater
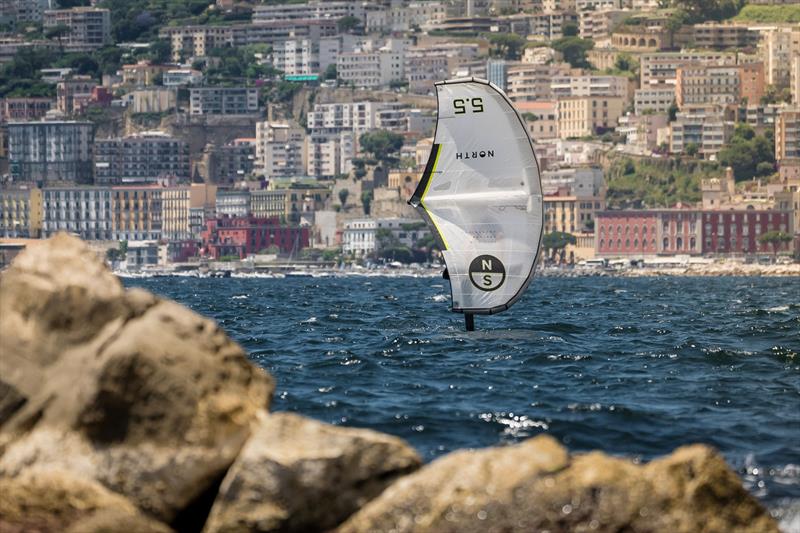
120 411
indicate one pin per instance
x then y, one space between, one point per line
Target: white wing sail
482 196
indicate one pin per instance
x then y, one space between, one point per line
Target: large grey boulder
538 486
297 474
146 397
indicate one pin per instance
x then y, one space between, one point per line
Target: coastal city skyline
228 130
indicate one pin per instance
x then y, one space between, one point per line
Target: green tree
382 144
348 24
343 194
556 242
330 72
746 152
702 10
692 149
58 32
569 29
506 45
775 239
574 50
366 201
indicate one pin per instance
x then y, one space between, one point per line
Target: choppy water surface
630 366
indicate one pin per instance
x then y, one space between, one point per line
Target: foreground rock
57 501
297 474
138 393
537 486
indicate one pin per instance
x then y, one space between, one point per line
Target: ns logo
487 273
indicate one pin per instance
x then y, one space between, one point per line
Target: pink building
635 233
24 109
737 232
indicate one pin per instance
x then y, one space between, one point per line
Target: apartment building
136 212
231 162
787 134
662 68
223 100
89 27
177 205
20 212
589 85
698 84
74 93
722 35
653 100
358 117
142 73
19 12
778 48
51 151
308 11
244 236
794 80
330 154
83 210
581 116
641 132
549 25
641 233
423 70
141 158
359 236
297 57
280 149
196 41
373 68
541 119
703 127
22 109
266 203
176 77
528 82
598 24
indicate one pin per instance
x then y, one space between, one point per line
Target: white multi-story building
373 67
223 100
358 117
89 27
703 127
233 203
296 57
182 76
280 149
360 236
308 11
661 68
330 154
778 47
82 210
656 100
566 86
530 82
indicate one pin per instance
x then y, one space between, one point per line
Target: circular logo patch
487 273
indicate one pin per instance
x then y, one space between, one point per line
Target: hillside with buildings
186 131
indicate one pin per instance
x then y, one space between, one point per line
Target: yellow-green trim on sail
425 192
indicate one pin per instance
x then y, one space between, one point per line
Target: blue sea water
631 366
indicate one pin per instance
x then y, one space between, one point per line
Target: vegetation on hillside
574 50
649 183
749 155
787 13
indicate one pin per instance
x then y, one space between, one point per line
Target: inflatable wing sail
481 196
